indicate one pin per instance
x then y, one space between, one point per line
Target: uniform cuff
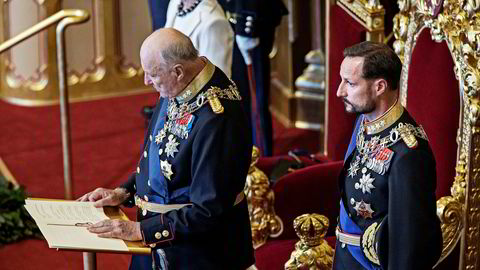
156 231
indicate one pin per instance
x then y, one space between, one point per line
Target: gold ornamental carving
108 74
458 24
260 199
369 13
312 251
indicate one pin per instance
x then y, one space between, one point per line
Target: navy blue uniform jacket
209 171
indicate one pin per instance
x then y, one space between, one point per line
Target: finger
104 201
102 223
84 198
106 235
100 227
95 196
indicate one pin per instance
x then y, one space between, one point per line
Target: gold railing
64 18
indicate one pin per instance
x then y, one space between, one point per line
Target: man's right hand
105 197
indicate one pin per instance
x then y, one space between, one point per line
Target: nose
340 91
146 79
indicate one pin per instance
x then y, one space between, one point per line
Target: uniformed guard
188 185
387 210
254 24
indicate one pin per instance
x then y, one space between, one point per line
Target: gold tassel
215 104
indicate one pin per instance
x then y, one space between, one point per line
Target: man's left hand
121 229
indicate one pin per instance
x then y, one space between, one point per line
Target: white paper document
63 224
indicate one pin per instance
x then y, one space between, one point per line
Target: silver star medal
363 209
159 137
354 167
166 169
171 146
365 183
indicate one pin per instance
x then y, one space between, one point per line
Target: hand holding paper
105 197
121 229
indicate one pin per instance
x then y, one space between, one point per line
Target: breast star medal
159 137
363 209
365 182
354 167
166 168
171 146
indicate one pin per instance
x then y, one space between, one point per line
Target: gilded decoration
457 24
109 73
312 251
369 13
260 198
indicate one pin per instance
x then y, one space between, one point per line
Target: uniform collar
196 84
385 120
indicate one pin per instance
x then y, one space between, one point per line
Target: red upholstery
296 194
305 192
267 164
344 32
433 100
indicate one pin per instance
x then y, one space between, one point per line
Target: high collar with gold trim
196 84
385 120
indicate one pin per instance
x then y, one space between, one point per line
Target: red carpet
107 136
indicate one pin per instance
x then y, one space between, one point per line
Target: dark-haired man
188 184
387 209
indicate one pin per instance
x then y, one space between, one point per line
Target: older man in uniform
387 209
194 162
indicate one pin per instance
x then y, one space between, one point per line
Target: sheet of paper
63 224
74 237
64 212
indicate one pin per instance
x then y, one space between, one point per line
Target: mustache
346 101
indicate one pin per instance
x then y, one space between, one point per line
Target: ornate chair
439 47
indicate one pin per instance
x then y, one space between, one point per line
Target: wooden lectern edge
134 247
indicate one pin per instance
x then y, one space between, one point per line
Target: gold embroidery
368 243
197 83
385 120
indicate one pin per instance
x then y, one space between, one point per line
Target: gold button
144 212
148 182
151 137
165 233
145 198
145 154
153 245
158 235
138 169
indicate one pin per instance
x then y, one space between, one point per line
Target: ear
179 71
380 86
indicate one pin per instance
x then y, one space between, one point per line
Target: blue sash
348 226
159 183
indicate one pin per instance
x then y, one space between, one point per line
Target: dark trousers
261 73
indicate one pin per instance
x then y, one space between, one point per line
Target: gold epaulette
211 95
214 93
